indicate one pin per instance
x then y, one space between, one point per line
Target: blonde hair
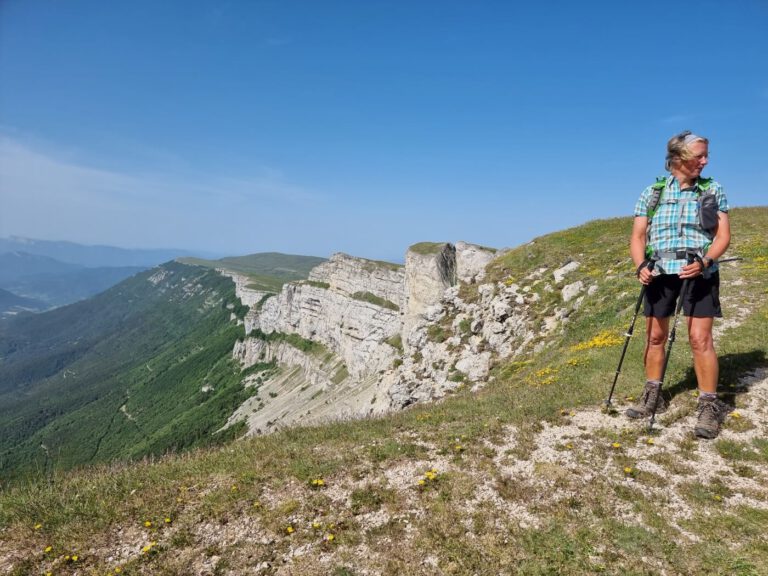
677 148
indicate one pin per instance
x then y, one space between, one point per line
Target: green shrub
377 300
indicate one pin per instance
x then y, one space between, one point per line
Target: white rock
475 366
434 313
485 290
471 261
349 275
560 273
501 309
572 290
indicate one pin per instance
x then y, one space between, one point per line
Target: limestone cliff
361 337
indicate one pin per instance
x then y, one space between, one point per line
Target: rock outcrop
360 337
349 275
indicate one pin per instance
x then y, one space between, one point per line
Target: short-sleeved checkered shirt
675 224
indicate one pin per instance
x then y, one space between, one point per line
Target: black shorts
701 301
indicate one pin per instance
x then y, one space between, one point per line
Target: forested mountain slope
139 369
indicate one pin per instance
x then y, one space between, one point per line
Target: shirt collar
673 185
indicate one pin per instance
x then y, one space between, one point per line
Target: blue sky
363 126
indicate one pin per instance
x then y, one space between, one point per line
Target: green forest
142 369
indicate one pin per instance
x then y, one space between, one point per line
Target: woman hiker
681 225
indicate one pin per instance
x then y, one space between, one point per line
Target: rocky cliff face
360 337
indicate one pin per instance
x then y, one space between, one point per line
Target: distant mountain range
44 274
93 256
12 304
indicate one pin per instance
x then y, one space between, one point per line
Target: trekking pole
628 335
670 341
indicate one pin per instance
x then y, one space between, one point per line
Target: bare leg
657 330
704 356
651 401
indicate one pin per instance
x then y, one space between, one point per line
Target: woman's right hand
645 275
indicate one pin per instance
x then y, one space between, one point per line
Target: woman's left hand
692 270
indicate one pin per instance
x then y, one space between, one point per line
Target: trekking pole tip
609 408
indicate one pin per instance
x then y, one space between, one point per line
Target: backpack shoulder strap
705 185
657 190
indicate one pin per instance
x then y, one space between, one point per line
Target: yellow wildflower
167 520
735 414
616 445
628 470
147 524
603 340
316 525
421 482
650 442
330 537
289 530
38 526
545 376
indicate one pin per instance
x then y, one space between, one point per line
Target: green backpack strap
657 190
705 184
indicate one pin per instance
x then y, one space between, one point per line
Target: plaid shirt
675 224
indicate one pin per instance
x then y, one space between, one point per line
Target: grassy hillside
268 271
526 476
120 375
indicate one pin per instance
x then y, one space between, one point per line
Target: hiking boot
711 413
651 395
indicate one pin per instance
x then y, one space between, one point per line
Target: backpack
707 203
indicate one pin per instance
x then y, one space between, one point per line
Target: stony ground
357 520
